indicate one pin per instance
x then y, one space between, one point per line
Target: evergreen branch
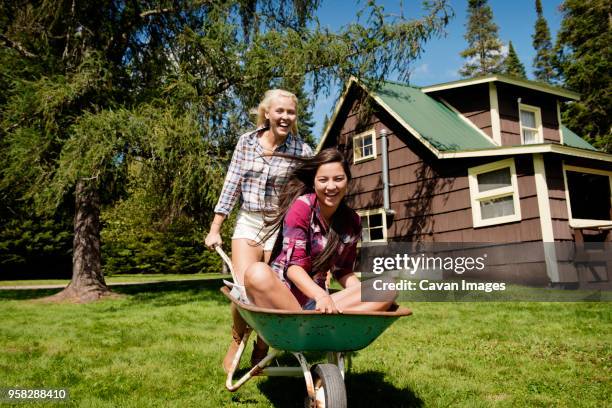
157 11
91 178
169 9
17 46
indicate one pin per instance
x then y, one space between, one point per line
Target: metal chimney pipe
385 170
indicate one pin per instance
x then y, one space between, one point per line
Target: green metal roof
437 124
573 140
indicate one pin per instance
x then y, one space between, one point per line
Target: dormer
511 111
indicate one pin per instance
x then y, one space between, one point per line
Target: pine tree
542 62
306 120
512 64
325 122
484 47
584 62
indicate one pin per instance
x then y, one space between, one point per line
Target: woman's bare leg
265 289
349 299
260 348
244 254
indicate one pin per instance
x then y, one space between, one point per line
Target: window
364 146
494 193
531 124
589 195
373 225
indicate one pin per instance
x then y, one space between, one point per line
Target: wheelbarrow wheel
329 388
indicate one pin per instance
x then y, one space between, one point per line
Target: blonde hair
264 107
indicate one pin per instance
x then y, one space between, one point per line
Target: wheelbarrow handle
227 261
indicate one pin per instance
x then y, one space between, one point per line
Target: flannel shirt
305 237
257 179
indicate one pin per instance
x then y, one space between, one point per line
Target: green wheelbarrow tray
309 330
300 331
296 332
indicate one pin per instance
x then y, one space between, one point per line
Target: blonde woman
255 176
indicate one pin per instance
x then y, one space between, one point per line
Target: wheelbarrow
297 332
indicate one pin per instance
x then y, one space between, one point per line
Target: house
480 160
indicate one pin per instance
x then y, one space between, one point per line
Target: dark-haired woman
319 234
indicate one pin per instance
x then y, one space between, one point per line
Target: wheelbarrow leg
337 358
236 361
307 376
257 369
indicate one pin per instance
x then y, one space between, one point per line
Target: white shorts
249 225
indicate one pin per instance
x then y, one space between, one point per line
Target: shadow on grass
174 293
26 294
159 294
367 389
370 389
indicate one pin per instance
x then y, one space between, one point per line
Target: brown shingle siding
562 230
529 208
558 209
527 187
405 204
402 157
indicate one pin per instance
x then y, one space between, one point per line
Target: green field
162 345
123 278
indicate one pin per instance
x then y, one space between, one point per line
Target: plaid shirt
257 179
305 237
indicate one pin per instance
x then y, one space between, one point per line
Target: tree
107 94
583 61
306 121
512 64
484 47
325 122
542 44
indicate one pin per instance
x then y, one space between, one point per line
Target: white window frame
584 222
538 119
369 133
368 213
476 196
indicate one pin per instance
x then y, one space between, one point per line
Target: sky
440 61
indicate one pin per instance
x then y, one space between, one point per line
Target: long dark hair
300 182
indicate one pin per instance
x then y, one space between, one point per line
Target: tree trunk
87 282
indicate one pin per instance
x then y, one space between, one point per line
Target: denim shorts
249 225
310 305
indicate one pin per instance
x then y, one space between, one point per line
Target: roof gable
435 125
432 120
525 83
444 132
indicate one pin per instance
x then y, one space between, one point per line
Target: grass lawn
124 278
162 344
